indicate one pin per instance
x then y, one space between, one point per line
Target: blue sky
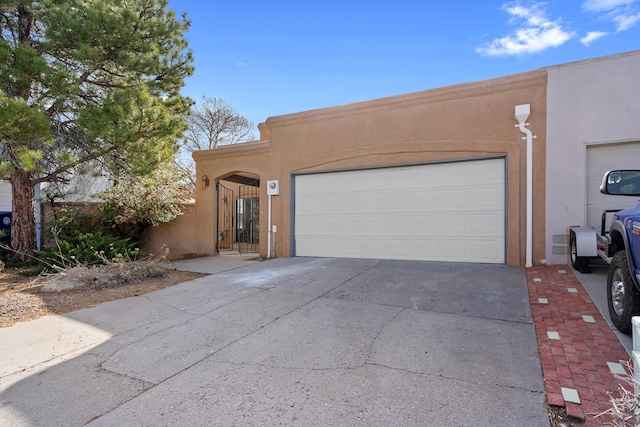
274 57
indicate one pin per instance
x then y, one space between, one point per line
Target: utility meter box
273 188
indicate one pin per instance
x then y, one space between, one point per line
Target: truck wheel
579 263
622 296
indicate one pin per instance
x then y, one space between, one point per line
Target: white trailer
586 243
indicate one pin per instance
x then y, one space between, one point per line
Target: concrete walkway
595 284
296 341
213 265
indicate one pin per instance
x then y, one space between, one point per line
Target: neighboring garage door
601 159
437 212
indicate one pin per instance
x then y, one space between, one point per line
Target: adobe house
437 175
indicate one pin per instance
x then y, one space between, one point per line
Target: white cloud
536 32
605 5
592 36
623 13
624 22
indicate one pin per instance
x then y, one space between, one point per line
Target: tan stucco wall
181 236
456 122
194 232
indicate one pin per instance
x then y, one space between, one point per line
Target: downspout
522 113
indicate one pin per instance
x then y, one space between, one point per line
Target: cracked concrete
297 341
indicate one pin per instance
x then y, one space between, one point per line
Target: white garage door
436 212
601 159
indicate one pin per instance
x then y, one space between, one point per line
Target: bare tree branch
213 122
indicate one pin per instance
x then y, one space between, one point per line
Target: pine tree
86 81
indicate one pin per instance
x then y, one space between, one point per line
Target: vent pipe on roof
522 114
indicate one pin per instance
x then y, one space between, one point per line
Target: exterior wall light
205 181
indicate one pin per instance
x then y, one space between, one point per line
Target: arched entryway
238 207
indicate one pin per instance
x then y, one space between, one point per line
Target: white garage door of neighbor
600 160
437 212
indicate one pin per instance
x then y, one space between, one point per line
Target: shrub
86 249
65 220
112 275
138 202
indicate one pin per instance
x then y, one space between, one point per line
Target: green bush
5 245
138 202
66 220
87 249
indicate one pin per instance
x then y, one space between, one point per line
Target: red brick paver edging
575 344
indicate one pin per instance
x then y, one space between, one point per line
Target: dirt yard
21 298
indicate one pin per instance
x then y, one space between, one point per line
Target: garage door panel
455 249
349 224
441 212
308 224
370 202
601 159
485 250
306 203
428 248
350 203
488 224
401 225
488 198
327 225
453 224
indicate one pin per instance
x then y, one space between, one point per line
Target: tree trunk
23 226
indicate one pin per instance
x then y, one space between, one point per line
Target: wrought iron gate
248 218
225 207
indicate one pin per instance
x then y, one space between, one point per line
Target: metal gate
225 230
248 218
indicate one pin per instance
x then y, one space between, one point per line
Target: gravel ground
23 298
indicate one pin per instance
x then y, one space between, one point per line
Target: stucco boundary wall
177 237
181 237
466 121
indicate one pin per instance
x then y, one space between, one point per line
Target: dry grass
104 276
625 410
23 298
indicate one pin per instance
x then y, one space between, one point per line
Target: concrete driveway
595 283
290 341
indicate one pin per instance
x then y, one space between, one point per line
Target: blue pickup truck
619 246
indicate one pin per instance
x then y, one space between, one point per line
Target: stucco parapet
458 91
593 60
395 154
257 147
265 134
